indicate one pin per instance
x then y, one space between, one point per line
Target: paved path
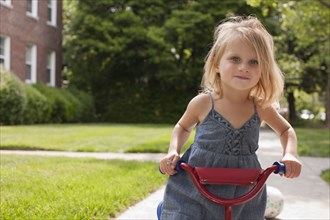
106 156
306 198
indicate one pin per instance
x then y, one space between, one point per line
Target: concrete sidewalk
155 157
306 197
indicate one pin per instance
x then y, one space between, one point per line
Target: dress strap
254 106
211 101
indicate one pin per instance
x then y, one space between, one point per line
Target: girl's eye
235 59
254 62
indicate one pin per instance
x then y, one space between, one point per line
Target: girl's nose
243 67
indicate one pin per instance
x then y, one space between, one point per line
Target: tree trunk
327 103
292 107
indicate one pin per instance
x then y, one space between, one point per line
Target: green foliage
302 43
61 109
64 188
148 52
74 106
12 98
308 101
67 106
85 103
37 109
25 104
141 60
312 43
326 175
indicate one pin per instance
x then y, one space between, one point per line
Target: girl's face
238 66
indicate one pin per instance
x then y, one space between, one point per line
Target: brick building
31 39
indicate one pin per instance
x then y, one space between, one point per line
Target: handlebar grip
280 168
177 167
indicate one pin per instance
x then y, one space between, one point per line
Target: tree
135 57
302 44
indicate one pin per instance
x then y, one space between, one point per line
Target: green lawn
71 188
326 175
126 138
35 187
313 142
88 137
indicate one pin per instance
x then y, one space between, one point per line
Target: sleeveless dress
216 144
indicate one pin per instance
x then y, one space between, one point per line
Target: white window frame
51 68
31 50
52 5
7 3
34 8
6 49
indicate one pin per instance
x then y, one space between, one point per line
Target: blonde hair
270 86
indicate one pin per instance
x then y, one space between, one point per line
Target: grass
126 138
35 187
313 142
88 137
326 175
74 188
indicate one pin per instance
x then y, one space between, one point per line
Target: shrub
87 104
61 108
73 106
67 105
22 103
12 98
37 109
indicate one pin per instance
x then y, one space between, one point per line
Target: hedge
12 98
29 104
37 109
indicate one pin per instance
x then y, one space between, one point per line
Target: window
5 52
50 69
32 8
30 64
6 2
51 12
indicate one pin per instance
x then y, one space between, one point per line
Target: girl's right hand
168 163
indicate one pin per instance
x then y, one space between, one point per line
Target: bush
64 107
37 109
74 107
56 102
67 105
87 104
22 103
12 98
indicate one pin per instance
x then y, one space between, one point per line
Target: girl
241 84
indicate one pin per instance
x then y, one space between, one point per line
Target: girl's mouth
242 77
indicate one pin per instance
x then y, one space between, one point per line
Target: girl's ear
217 70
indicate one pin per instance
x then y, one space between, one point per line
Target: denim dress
216 144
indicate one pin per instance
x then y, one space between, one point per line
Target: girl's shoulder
200 105
265 112
201 100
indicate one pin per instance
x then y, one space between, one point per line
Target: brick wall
24 29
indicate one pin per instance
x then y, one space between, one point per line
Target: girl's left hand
292 165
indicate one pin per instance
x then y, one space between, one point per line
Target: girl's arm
288 140
196 110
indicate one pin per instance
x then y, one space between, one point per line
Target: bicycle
202 176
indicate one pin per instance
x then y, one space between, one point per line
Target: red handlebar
195 174
256 177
